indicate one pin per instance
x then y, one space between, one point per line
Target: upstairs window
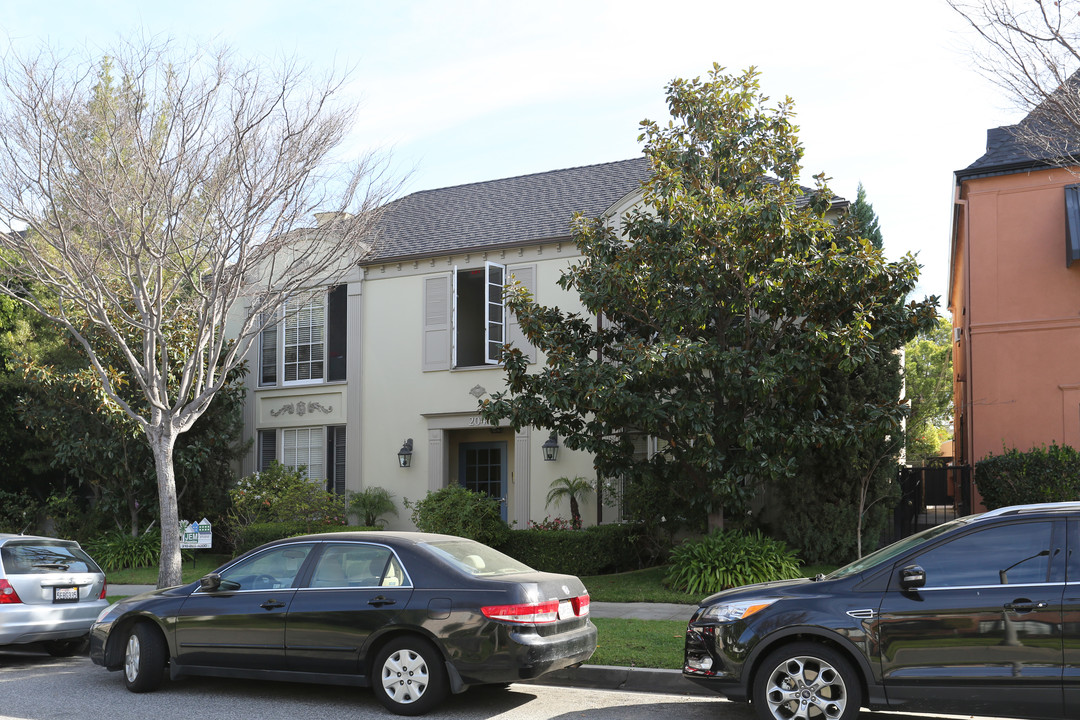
305 338
465 321
310 343
479 323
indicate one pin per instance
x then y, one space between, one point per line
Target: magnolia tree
723 303
158 192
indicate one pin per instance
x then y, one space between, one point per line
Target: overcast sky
885 93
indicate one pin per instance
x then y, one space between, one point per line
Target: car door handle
1025 605
380 600
272 605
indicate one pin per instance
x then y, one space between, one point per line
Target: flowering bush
283 494
550 523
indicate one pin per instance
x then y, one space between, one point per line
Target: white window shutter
495 322
437 304
526 275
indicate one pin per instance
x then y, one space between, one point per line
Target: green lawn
639 643
192 570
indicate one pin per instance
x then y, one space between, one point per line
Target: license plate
65 594
566 610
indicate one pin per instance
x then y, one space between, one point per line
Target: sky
461 91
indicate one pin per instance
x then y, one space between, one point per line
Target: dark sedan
978 616
414 616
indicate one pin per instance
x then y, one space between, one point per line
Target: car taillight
581 605
104 587
8 596
545 612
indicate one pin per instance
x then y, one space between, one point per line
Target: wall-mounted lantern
551 448
404 455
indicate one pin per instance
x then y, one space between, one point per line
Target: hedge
257 534
596 550
1046 474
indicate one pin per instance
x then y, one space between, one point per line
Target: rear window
477 559
35 558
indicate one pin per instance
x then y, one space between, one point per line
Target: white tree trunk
169 563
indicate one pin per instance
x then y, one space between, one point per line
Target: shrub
595 550
118 550
281 494
371 504
258 534
455 510
1046 474
549 523
726 559
18 512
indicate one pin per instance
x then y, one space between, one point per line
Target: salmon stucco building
1014 294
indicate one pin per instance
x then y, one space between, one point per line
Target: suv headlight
728 612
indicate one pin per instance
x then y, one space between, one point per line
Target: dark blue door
482 468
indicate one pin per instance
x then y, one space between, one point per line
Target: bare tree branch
1031 49
160 183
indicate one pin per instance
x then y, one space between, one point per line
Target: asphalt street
34 686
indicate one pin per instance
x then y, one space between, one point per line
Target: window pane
304 337
269 570
1003 555
351 565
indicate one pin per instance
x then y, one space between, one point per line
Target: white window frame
298 448
494 304
292 312
497 307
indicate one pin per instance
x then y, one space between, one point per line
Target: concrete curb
634 679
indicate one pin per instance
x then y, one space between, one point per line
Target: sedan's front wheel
144 658
807 681
409 677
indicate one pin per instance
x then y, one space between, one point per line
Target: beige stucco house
405 346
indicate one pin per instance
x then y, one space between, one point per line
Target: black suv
980 616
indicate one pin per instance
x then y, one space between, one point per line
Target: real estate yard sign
196 536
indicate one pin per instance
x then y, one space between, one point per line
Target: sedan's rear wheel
806 681
408 676
144 658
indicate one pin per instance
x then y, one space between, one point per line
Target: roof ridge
523 175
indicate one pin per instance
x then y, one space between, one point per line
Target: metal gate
930 496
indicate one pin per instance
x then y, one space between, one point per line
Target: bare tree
1031 49
157 194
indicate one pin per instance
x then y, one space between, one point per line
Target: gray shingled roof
1004 151
509 212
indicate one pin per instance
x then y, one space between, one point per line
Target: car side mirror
213 583
912 577
210 582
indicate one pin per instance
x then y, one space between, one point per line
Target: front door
482 468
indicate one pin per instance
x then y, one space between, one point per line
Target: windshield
896 549
477 559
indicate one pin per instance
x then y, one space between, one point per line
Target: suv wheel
409 678
806 680
144 658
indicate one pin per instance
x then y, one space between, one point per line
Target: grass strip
639 643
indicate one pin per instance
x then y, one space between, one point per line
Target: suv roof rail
1037 507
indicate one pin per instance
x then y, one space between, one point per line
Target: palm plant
573 489
371 504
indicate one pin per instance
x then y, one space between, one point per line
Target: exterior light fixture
551 448
404 455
